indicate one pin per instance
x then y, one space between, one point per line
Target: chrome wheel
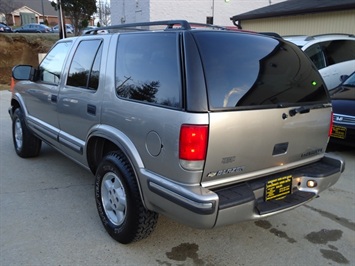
113 197
18 134
119 202
26 144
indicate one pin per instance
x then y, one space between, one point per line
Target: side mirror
343 78
23 72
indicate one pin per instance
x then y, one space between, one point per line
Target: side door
41 98
79 99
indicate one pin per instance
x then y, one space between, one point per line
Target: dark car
4 28
34 28
343 100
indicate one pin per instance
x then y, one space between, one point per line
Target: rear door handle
54 98
91 109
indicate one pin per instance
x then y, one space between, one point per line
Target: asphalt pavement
48 217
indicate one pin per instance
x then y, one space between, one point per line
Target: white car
332 54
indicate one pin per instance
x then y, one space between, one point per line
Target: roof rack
334 34
170 25
211 26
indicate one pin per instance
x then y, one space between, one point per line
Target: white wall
191 10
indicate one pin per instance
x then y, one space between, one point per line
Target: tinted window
51 66
85 68
336 51
350 81
315 53
147 68
244 70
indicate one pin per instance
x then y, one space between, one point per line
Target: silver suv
204 125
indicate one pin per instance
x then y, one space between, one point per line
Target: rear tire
26 144
119 202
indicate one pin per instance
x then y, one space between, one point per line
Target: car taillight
331 125
193 145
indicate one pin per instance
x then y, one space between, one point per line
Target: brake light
331 125
193 142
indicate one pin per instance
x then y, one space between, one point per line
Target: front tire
26 144
119 202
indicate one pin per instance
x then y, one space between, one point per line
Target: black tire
26 144
119 202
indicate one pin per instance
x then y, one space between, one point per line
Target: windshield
253 71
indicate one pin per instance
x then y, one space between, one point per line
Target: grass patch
4 87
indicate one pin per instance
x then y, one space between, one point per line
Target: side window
315 53
51 66
338 51
148 70
85 68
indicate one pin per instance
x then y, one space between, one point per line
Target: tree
77 10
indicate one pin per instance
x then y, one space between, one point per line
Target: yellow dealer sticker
339 132
278 188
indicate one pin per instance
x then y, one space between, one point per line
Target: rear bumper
203 208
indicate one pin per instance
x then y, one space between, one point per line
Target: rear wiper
305 109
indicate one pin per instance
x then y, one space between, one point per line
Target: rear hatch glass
256 86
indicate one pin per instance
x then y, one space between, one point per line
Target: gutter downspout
237 24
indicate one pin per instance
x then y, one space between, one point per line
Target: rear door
79 104
269 108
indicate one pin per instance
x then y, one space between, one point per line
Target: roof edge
252 15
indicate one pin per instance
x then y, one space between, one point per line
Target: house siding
131 11
307 24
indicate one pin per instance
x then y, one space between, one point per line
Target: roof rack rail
170 24
201 25
334 34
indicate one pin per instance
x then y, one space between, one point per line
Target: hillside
18 48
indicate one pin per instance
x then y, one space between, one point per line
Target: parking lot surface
48 217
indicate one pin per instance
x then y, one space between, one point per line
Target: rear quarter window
148 68
253 71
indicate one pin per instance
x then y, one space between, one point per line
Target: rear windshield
252 71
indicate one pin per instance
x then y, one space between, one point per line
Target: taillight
193 144
331 125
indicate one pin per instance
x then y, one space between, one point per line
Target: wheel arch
104 139
17 102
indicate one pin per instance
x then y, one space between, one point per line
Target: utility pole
42 11
209 19
100 12
62 27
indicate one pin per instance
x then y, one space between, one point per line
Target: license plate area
338 132
278 188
